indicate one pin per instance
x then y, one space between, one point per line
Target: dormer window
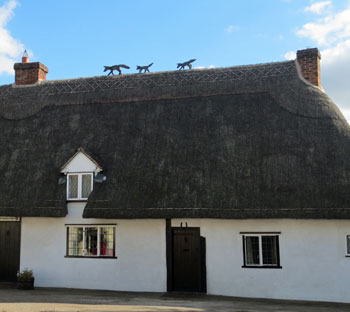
81 170
79 185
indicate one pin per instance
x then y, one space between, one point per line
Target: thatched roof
241 142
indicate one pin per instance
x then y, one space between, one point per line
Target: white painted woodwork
81 163
9 219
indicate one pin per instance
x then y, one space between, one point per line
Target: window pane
73 186
75 241
252 250
348 244
86 185
269 250
91 241
107 242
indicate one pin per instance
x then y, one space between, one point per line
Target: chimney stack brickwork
309 61
29 73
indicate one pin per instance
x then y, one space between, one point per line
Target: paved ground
73 300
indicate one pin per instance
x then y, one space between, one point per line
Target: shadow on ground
76 300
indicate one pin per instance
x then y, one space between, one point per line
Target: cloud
332 34
10 48
318 7
329 29
203 67
335 74
291 55
231 28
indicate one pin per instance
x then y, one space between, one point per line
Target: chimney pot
25 57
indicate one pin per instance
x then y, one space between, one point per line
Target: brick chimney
29 73
309 61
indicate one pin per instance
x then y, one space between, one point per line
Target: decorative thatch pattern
165 79
241 142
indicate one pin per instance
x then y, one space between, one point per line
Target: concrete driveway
76 300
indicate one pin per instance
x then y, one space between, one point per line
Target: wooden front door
9 250
188 265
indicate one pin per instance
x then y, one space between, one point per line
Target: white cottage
230 181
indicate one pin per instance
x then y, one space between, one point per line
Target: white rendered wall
140 248
312 254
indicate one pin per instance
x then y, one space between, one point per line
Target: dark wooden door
187 263
9 250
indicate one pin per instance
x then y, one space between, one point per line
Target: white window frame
80 184
261 264
84 226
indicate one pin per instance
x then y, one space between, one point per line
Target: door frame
19 221
170 257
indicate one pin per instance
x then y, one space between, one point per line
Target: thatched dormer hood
242 142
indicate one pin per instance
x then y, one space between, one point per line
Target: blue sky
77 38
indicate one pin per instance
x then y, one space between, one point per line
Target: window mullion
84 244
79 185
98 241
114 238
67 186
244 250
260 250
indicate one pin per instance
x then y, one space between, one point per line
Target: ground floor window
90 241
261 250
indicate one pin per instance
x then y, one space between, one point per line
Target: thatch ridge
126 88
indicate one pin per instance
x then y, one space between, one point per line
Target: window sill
76 200
261 267
91 257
